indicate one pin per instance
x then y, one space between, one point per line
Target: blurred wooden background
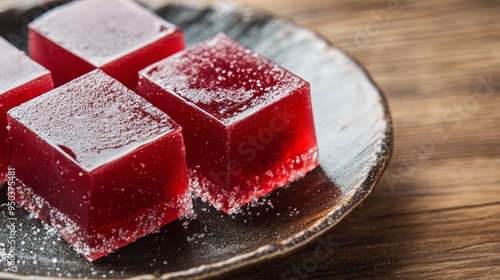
436 212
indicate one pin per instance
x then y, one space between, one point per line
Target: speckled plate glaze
355 142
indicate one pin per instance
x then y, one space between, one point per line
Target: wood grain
436 212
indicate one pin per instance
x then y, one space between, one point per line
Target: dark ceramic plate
355 142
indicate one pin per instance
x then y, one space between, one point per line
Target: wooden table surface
436 212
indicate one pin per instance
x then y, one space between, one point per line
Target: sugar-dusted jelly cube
117 36
247 122
98 163
21 79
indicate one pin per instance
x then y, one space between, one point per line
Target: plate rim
277 250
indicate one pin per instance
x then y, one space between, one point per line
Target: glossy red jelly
21 79
247 122
117 36
98 163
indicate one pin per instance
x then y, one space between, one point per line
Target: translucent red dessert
117 36
21 79
104 166
247 122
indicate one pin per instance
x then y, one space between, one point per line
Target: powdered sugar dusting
100 31
107 240
17 68
94 119
231 200
225 79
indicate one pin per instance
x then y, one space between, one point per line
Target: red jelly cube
21 79
247 122
104 166
118 36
